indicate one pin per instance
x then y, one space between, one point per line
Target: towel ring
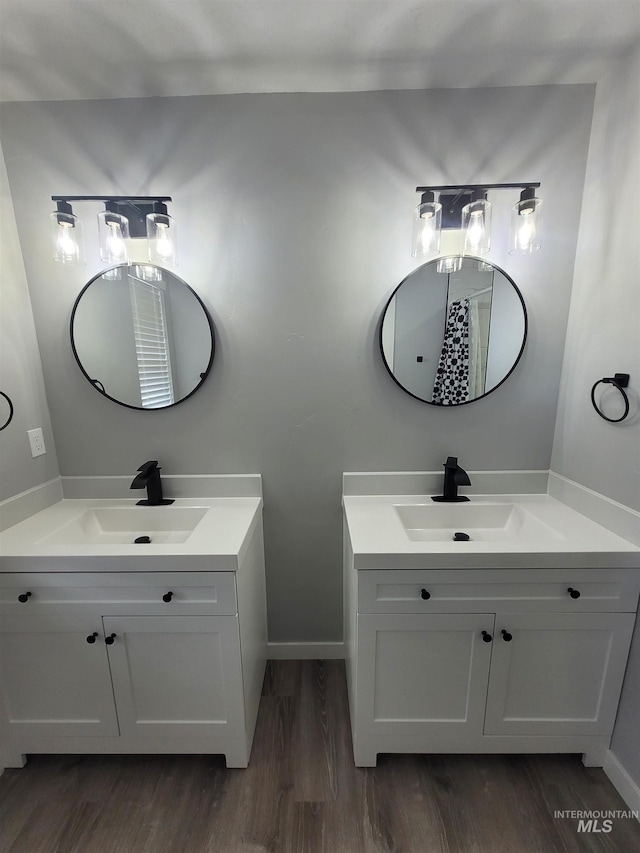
619 381
8 420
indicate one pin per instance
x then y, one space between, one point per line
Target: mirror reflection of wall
142 337
448 338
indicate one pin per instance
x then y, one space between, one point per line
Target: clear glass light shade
162 239
148 273
449 264
113 274
476 225
526 221
66 238
113 233
427 222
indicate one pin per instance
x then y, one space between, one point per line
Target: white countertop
379 540
216 543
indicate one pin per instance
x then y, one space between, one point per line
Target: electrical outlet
36 442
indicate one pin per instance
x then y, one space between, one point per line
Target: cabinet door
416 672
52 680
558 674
176 675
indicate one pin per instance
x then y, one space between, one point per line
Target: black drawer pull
110 639
24 596
506 636
92 637
486 637
425 595
167 596
574 593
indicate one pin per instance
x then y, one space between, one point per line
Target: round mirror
142 336
453 330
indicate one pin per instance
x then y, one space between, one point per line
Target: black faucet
454 476
149 478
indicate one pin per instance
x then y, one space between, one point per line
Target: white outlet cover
36 442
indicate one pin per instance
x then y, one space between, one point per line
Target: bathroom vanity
112 647
514 640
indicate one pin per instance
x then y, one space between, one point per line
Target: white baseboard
622 782
305 651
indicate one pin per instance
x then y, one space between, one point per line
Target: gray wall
295 215
604 335
20 367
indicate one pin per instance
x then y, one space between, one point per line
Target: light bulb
427 222
476 224
66 235
526 231
65 242
475 231
162 237
113 232
164 246
525 224
115 243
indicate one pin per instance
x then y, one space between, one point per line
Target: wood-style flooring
303 794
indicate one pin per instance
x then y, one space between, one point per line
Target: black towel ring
619 381
8 420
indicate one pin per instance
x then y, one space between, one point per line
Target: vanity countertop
379 539
221 533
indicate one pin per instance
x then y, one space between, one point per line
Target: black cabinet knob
486 637
574 593
425 595
24 596
506 636
167 596
92 637
110 639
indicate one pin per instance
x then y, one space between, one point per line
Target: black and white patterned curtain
451 384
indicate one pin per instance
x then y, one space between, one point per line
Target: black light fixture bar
134 207
469 187
143 198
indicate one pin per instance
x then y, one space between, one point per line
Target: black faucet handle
452 462
148 467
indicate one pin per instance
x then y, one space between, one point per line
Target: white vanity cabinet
169 662
498 660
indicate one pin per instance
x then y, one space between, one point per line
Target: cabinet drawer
521 590
202 593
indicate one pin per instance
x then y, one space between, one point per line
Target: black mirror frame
506 376
95 383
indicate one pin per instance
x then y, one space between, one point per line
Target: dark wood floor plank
302 793
319 732
282 678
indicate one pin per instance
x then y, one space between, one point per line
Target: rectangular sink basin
486 522
123 525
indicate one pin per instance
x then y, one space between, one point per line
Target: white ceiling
77 49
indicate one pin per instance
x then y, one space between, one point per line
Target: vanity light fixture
465 208
123 218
